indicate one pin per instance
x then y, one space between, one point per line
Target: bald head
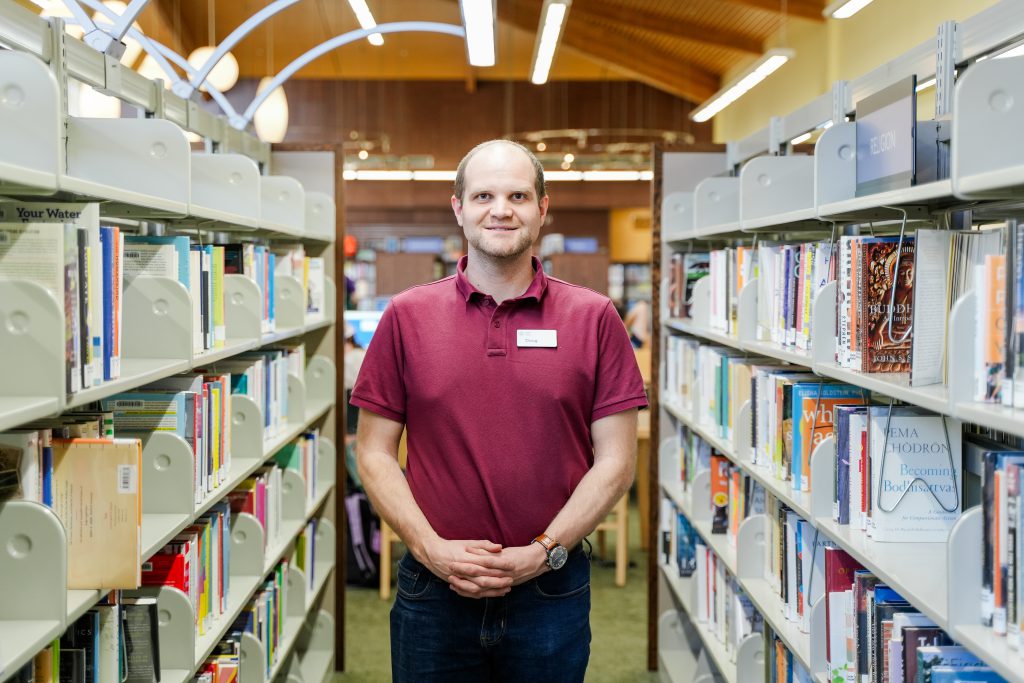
460 174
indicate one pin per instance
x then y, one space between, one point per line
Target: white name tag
538 338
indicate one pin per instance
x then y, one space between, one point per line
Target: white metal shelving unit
143 169
986 166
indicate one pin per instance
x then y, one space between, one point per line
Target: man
519 393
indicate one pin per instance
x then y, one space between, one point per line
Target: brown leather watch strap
548 542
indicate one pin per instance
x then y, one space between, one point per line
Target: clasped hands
481 569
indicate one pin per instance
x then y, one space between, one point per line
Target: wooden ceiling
682 47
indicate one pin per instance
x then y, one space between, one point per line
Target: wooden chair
617 521
387 537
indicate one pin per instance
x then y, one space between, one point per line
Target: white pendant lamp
151 70
271 119
224 75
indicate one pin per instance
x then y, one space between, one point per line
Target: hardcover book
813 408
886 304
96 495
915 638
953 656
971 674
719 494
839 574
141 642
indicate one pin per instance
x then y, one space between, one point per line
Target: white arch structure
323 48
122 26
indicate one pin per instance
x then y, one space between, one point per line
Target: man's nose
501 207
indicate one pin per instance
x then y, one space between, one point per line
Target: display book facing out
139 459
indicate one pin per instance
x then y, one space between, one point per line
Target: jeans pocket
572 579
415 583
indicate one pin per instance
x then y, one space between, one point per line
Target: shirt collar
535 291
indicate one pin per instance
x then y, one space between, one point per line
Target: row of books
197 563
791 413
898 469
194 406
729 270
1002 602
83 467
263 376
117 640
301 455
261 496
780 666
794 562
894 299
82 268
223 664
92 482
87 267
264 616
721 607
875 636
292 261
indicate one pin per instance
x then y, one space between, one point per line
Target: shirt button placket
496 335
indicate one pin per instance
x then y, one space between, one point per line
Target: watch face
557 557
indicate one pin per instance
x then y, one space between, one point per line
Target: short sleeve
380 387
618 385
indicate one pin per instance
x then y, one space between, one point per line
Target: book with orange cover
886 308
97 496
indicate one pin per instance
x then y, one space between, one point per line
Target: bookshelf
799 199
143 170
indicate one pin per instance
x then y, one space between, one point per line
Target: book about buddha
886 300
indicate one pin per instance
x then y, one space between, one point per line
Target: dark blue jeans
538 632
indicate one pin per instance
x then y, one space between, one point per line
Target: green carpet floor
618 622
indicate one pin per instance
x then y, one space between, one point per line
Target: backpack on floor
363 556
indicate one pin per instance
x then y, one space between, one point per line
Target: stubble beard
501 252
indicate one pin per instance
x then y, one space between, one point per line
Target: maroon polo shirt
498 433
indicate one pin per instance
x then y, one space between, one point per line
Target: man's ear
543 208
457 209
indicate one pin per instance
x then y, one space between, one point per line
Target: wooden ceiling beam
600 10
805 9
165 21
645 64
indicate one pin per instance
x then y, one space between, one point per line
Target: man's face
499 212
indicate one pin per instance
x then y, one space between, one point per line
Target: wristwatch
557 554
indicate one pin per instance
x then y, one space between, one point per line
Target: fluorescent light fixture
478 18
924 85
800 138
449 176
434 175
769 62
366 20
611 175
552 19
844 9
383 175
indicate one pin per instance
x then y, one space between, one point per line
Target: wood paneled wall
444 119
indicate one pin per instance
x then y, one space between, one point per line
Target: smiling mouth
501 228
